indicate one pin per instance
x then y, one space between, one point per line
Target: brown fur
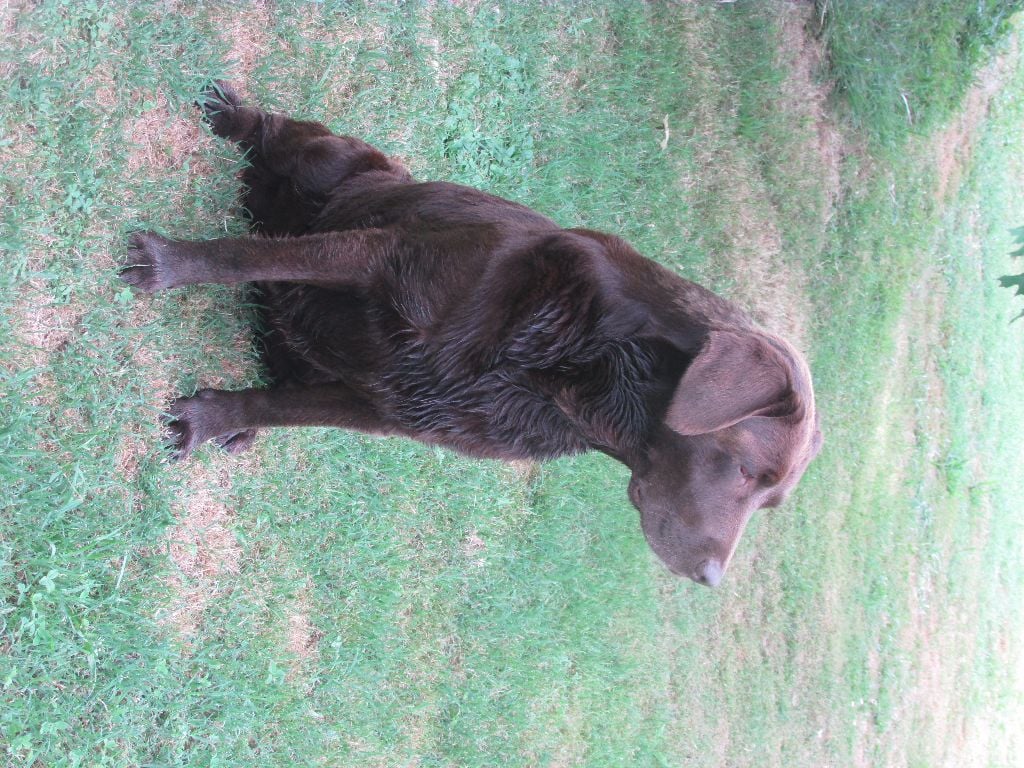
457 318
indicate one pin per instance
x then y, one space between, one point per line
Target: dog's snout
709 573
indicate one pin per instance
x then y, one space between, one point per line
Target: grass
341 600
896 75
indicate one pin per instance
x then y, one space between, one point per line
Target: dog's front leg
155 263
230 416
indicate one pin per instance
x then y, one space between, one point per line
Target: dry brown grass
247 30
805 96
473 548
767 284
42 325
201 545
954 145
764 280
163 140
302 637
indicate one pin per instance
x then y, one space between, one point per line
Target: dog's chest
489 404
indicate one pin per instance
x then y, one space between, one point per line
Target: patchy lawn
335 599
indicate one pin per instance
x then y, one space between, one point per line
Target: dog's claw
186 423
191 421
181 443
218 103
145 266
237 442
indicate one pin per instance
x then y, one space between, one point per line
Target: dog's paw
236 442
218 103
148 265
190 422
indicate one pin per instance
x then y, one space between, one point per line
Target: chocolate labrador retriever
457 318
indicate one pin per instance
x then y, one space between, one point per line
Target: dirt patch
247 30
473 548
201 545
802 53
9 12
769 288
302 637
163 138
763 278
131 452
767 282
43 325
524 471
954 145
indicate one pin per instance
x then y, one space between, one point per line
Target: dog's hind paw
237 442
219 103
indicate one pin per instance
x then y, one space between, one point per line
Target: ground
335 599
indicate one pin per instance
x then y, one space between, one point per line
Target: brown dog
447 315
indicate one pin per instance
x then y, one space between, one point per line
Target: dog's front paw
149 263
191 421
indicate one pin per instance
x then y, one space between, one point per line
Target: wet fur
454 317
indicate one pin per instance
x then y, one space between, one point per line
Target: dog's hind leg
295 164
328 259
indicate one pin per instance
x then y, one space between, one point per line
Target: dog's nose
708 573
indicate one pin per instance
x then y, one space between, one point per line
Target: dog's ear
734 376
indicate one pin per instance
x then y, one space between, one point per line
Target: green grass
904 67
335 599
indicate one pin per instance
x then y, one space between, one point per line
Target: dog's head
740 430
